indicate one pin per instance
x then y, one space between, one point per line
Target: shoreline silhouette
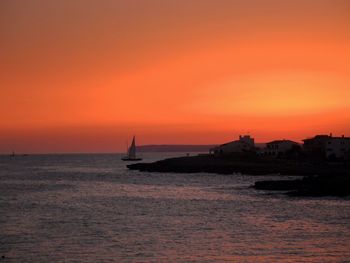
323 161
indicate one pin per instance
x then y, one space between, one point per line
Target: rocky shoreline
320 179
249 165
338 185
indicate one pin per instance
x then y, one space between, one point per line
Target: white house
278 147
338 147
244 144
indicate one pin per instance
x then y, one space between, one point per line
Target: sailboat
131 153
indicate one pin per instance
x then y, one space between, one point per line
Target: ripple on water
90 208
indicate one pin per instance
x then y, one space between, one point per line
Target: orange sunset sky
84 76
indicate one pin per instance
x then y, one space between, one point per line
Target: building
244 144
317 144
338 148
278 147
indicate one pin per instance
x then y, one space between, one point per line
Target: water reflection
74 209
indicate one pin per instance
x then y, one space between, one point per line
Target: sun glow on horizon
276 95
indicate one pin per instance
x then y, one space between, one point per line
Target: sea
91 208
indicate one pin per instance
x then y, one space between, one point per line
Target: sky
85 76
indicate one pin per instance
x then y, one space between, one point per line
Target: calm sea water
90 208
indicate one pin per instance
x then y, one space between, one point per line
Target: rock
336 185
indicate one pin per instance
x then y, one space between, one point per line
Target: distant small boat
131 153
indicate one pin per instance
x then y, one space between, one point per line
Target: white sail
132 149
131 152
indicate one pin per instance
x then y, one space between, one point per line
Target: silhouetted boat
131 153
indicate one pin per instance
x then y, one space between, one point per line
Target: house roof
280 141
339 138
325 137
227 143
322 136
236 141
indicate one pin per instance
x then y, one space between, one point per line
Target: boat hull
127 159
